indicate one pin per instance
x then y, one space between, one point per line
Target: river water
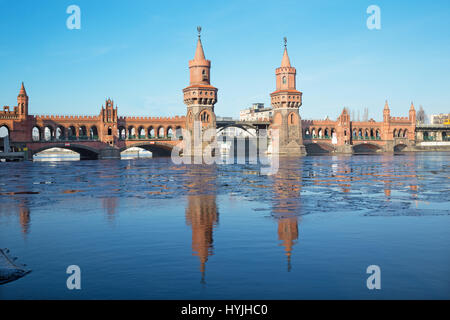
149 229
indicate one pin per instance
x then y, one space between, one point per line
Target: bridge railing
69 138
149 137
313 136
365 138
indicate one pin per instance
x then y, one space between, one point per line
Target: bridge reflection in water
301 186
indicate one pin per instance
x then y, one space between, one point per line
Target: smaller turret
386 112
22 102
412 113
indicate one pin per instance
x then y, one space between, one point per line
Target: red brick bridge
105 135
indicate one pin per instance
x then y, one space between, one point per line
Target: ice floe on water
10 270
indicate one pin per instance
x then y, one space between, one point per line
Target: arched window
71 133
284 80
82 132
59 134
141 132
48 133
122 133
161 132
36 134
204 116
151 132
4 131
179 132
93 133
169 132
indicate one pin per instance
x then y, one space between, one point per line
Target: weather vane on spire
285 41
199 29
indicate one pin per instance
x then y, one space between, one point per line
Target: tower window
284 80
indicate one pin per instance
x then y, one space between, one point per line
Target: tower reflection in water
286 206
201 211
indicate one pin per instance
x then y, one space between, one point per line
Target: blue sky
137 53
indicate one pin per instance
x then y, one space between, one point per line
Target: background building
439 118
255 112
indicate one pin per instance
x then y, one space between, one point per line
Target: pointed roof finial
199 54
285 61
412 106
386 106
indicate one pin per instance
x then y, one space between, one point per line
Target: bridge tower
108 130
22 103
286 101
386 122
412 119
200 97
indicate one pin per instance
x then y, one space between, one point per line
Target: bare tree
366 115
421 116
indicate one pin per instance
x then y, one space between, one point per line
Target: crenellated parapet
58 118
152 119
7 113
399 119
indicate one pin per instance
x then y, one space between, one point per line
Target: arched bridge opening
400 147
86 153
365 148
157 149
318 148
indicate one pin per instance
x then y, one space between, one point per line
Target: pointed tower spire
22 92
412 106
285 61
386 106
199 54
